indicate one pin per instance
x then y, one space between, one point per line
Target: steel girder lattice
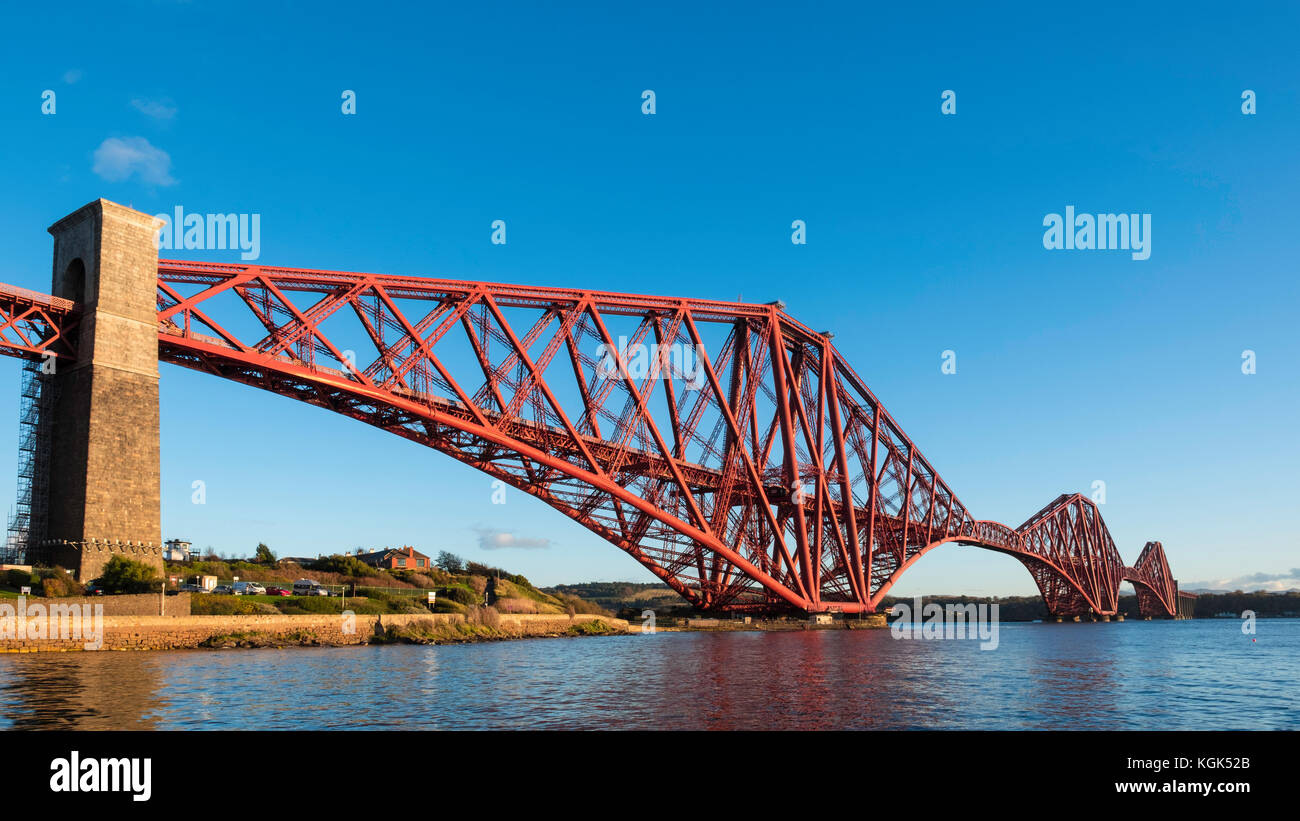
36 325
726 447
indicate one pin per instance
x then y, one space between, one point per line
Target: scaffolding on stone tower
27 523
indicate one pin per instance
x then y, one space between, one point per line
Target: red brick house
405 558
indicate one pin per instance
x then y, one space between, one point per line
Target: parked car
191 588
309 587
278 591
94 588
223 590
249 589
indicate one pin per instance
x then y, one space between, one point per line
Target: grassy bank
483 625
430 632
374 591
254 638
207 604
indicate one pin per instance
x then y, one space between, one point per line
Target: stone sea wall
186 632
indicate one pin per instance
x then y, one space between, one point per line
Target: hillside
467 586
626 599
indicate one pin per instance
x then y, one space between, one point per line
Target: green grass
255 638
507 589
430 632
317 605
208 604
596 627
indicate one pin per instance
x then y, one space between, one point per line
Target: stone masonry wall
90 556
140 604
104 467
184 632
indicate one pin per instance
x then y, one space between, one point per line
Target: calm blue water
1149 675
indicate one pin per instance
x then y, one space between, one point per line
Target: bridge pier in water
104 495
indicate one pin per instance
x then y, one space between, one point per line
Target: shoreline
121 633
141 633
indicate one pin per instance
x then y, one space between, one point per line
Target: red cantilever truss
725 446
33 324
1157 590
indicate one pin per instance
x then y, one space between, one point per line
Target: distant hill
1272 605
628 599
625 596
1222 590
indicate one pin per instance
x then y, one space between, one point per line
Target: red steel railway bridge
728 448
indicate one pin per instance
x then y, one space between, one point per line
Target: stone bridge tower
103 464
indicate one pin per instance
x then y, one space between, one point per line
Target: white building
176 550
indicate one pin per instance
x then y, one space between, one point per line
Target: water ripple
1134 675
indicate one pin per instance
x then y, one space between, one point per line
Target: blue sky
924 235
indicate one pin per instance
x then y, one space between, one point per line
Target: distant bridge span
728 448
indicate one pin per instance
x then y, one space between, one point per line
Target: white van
206 584
249 589
309 587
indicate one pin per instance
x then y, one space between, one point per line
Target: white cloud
158 109
490 539
1272 582
119 158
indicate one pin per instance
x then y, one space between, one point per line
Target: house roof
388 553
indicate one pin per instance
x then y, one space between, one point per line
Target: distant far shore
629 600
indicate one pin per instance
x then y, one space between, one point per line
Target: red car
278 591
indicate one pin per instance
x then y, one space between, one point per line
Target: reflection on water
1158 675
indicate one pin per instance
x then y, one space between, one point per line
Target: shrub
575 604
53 588
50 582
123 575
18 578
513 605
484 616
399 604
204 604
476 569
460 595
345 565
310 604
435 578
595 627
442 605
